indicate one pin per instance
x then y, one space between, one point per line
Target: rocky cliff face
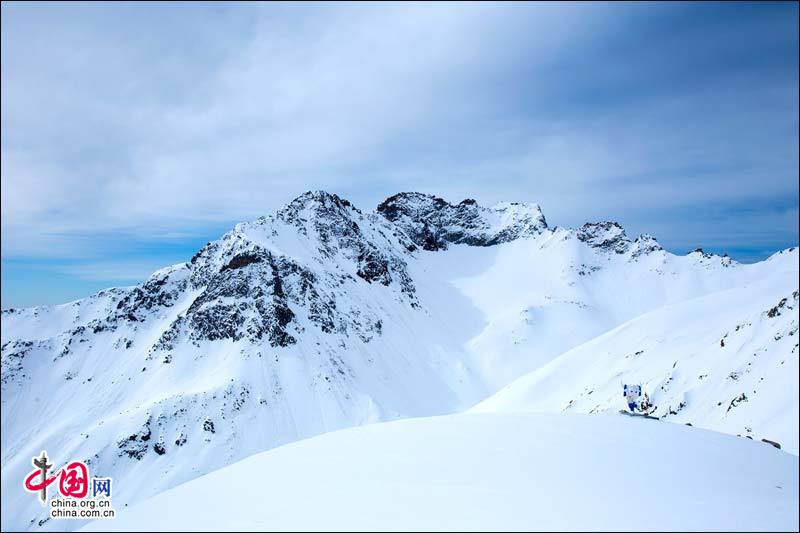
432 223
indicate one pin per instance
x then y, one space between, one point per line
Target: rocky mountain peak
607 235
611 237
644 244
709 258
321 202
433 223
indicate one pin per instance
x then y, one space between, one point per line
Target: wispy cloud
169 122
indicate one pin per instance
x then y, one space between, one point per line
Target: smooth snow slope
539 297
491 472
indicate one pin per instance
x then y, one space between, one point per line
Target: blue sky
132 134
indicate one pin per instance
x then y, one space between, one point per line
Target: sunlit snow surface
491 472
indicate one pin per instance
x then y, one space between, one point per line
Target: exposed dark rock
135 446
783 303
242 260
13 355
373 267
606 235
432 223
643 245
736 401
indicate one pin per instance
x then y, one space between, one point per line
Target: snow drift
491 472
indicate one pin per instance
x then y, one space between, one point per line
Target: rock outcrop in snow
433 223
610 237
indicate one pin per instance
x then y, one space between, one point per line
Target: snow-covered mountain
321 316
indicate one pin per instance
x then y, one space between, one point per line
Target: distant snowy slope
541 296
726 361
491 472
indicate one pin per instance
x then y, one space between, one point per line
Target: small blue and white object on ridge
632 393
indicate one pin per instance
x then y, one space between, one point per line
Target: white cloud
212 114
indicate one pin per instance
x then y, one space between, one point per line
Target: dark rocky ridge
433 223
249 292
609 236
